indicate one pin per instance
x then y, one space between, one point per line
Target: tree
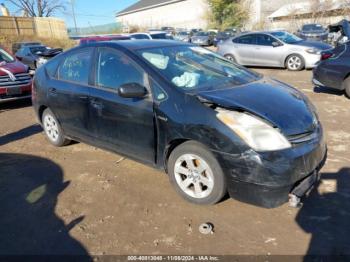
227 13
39 8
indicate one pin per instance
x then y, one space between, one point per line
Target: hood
318 32
314 44
14 67
283 106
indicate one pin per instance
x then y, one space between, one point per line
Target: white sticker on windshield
159 61
200 50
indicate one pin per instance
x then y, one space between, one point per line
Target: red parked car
15 80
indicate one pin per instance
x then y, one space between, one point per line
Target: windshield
5 57
286 37
312 27
35 50
194 68
201 34
183 33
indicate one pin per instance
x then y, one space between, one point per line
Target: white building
263 14
158 13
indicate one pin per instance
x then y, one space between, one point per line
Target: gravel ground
82 200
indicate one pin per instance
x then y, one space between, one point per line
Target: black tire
215 174
230 58
347 86
295 66
53 130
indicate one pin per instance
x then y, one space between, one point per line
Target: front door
69 90
265 53
123 124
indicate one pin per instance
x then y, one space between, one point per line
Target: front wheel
196 174
53 129
295 63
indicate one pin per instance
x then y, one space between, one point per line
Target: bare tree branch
39 8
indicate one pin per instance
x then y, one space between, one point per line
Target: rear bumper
267 179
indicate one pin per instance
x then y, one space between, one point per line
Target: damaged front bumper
267 179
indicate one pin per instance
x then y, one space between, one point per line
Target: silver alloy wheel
230 58
51 127
294 62
194 176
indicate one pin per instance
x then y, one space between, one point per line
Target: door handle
96 104
82 97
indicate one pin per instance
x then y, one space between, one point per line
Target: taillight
325 56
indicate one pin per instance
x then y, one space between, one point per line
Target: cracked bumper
266 179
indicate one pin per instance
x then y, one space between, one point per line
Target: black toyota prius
213 126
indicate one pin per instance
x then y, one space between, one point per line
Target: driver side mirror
276 44
132 90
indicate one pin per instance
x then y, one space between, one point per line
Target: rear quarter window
51 67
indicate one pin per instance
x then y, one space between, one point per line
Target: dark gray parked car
315 32
203 38
334 72
36 55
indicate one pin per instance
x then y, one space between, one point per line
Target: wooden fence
28 26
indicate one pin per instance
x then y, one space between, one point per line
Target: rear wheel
52 129
295 62
230 58
196 174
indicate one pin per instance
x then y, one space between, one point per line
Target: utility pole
75 21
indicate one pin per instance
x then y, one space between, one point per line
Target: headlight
313 51
256 133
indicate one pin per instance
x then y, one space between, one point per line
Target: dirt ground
82 200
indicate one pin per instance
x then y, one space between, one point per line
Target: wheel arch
41 112
170 148
291 54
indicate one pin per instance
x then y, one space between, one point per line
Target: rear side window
75 67
140 36
115 69
159 36
246 39
51 67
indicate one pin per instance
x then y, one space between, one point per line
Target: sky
88 12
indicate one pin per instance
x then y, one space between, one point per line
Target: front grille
304 137
21 79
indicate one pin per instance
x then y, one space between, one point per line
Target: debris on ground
206 228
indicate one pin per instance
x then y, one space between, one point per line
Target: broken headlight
259 135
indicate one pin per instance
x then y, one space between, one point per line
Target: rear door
265 53
125 125
68 92
244 48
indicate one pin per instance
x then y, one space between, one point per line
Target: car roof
139 44
259 32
